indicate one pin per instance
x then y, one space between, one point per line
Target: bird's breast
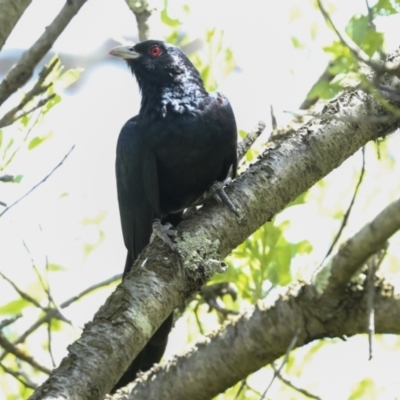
190 153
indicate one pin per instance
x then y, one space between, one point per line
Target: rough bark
160 280
10 13
263 333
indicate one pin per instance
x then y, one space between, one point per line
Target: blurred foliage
345 67
15 141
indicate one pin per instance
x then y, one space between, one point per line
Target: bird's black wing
226 119
136 177
138 198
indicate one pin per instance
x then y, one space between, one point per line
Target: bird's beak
124 52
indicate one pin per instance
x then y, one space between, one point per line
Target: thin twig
7 178
273 118
98 285
45 287
9 321
49 345
53 313
248 141
39 183
196 315
37 89
370 15
373 264
11 348
290 384
38 105
243 384
22 142
23 294
284 361
327 76
17 375
349 209
34 267
346 118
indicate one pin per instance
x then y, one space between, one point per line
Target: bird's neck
183 94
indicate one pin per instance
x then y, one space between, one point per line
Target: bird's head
158 63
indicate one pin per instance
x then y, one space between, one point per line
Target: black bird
180 145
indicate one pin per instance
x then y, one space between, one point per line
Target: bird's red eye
155 51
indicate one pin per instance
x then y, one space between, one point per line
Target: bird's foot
164 232
217 191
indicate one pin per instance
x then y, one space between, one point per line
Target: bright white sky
271 71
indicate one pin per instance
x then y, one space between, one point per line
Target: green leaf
167 20
364 390
361 31
14 307
55 268
36 141
50 104
296 43
18 178
68 78
1 138
24 121
384 8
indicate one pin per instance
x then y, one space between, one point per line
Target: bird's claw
218 193
164 232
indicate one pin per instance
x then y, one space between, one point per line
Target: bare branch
348 211
284 361
39 183
294 387
260 336
90 289
10 13
326 76
18 376
38 105
248 141
23 294
38 88
6 178
23 70
10 348
148 17
373 264
9 321
349 118
335 275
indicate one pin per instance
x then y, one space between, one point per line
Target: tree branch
39 183
263 334
38 88
161 280
23 70
10 13
334 277
10 348
148 17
